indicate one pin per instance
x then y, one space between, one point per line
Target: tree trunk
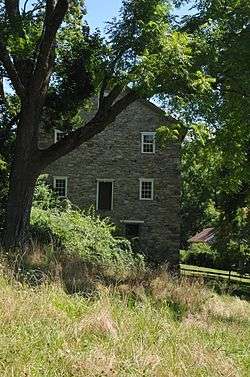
22 184
25 169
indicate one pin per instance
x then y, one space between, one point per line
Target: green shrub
199 254
83 235
44 197
235 257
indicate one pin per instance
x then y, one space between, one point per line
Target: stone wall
116 154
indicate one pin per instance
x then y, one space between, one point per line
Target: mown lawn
170 329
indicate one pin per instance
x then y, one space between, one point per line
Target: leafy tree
55 65
216 167
224 31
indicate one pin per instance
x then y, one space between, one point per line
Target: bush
199 254
44 197
236 257
83 235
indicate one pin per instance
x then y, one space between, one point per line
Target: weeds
45 332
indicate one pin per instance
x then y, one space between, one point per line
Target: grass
163 328
235 276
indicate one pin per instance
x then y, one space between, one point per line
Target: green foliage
199 254
233 242
44 197
79 234
168 134
83 235
236 257
201 166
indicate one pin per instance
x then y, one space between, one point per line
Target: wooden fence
207 272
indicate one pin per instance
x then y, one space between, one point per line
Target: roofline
158 110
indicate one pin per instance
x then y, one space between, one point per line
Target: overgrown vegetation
64 235
235 256
166 328
85 236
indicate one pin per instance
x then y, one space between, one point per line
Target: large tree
55 66
220 168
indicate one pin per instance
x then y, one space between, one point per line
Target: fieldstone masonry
116 154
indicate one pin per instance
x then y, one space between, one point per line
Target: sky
100 11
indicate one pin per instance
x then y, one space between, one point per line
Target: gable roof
206 236
157 110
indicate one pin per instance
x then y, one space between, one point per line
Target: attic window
58 135
148 142
60 185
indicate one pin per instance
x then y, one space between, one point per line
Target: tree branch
111 97
14 17
11 70
2 94
97 124
109 73
52 23
12 9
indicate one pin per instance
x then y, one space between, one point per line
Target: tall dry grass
159 327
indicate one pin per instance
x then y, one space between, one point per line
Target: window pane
60 187
132 230
146 190
105 196
59 135
148 141
148 138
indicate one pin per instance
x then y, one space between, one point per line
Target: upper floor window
148 142
60 185
58 135
146 188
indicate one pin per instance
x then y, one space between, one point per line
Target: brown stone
116 154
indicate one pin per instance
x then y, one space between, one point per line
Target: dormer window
58 135
148 142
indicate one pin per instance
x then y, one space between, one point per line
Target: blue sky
100 11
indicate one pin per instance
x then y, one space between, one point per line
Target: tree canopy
198 68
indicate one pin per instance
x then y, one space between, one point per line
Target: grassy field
234 276
168 329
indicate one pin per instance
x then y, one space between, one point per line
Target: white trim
132 221
56 132
140 190
142 141
66 184
104 180
97 191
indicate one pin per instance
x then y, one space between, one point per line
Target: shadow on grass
232 288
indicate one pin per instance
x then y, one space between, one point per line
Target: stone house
125 175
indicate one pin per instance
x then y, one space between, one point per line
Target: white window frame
97 192
142 142
66 185
132 221
151 180
57 132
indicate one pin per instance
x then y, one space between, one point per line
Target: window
146 189
148 142
58 135
60 185
132 230
105 194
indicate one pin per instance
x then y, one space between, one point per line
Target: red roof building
205 236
